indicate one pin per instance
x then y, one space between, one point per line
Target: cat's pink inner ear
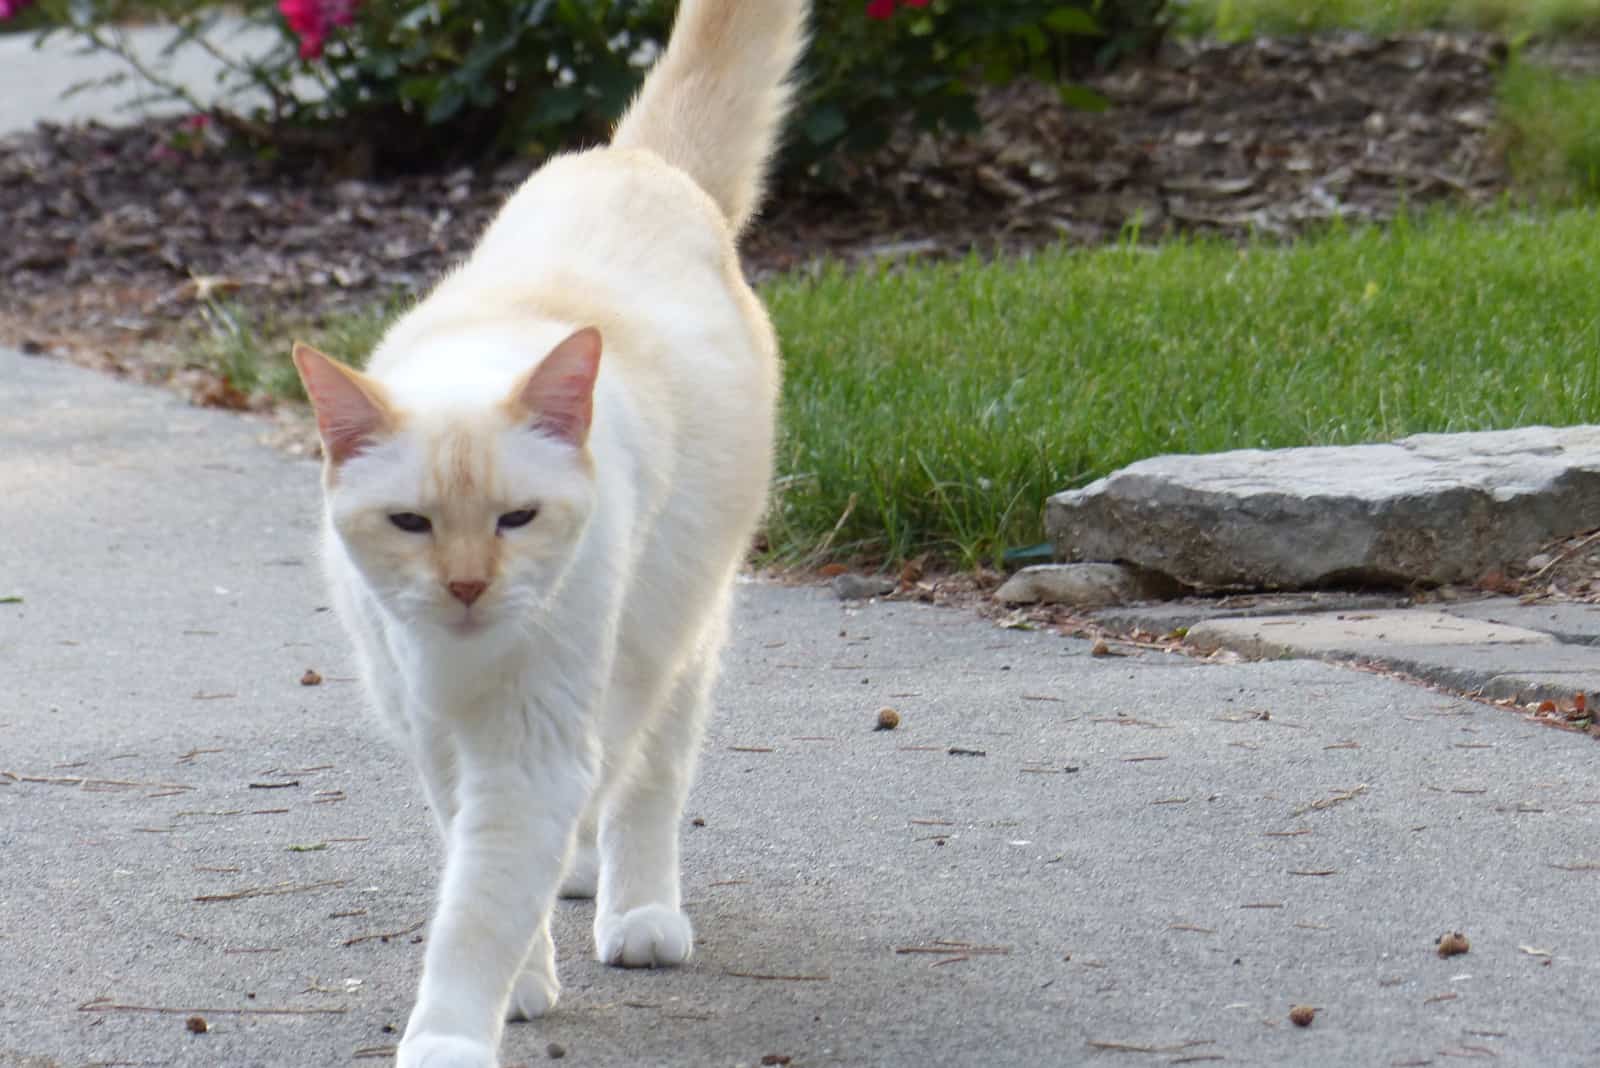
349 406
557 396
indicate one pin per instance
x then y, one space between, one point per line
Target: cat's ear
557 396
351 411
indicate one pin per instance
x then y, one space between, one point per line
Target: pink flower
12 8
884 9
311 19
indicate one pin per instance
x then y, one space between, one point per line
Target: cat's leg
583 867
536 989
638 922
519 795
534 994
434 755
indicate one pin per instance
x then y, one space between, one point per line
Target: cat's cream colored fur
598 361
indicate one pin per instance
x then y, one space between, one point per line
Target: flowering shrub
14 15
311 20
883 9
405 83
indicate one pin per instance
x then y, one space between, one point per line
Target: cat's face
462 526
462 520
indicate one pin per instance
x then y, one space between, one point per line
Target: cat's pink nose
467 592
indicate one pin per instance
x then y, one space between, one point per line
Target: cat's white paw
532 996
443 1051
651 936
583 876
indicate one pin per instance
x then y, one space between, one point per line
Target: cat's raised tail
714 103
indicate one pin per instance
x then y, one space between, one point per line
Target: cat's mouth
468 625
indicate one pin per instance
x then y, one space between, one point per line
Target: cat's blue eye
512 520
411 522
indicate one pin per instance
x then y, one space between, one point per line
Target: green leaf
1073 20
557 106
824 125
417 17
1082 98
445 105
534 14
421 89
999 70
615 84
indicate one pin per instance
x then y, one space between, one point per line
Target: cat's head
461 515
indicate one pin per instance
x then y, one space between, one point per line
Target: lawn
933 409
1235 19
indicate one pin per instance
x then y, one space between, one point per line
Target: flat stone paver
1571 622
1460 647
1165 617
1354 633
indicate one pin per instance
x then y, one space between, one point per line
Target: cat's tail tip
714 104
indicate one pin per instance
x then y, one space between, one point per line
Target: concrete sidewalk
1151 852
34 79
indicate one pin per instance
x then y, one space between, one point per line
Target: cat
536 500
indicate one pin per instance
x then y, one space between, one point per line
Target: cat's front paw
533 996
443 1051
651 936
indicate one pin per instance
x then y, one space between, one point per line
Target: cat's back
622 241
611 214
614 238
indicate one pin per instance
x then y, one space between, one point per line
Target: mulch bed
116 236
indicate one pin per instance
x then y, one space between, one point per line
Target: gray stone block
1379 635
1432 508
1469 655
1167 616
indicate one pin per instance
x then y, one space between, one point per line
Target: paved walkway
1152 851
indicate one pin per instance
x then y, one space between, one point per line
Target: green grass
934 408
252 351
931 409
1236 19
1552 128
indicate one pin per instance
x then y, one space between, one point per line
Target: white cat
537 498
